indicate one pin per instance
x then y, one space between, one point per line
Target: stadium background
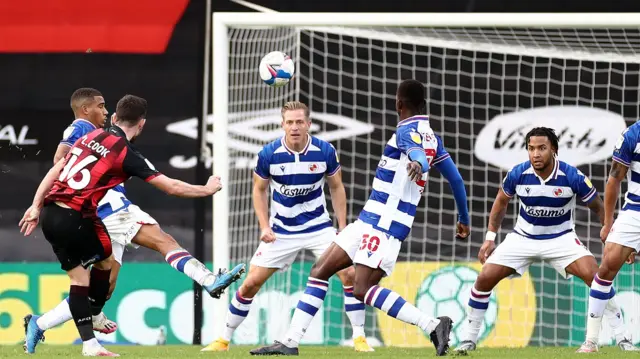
34 111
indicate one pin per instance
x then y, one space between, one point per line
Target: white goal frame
223 21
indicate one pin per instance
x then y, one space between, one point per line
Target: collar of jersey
304 150
412 119
118 131
553 175
83 120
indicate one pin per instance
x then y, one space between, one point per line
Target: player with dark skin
542 154
614 255
542 148
335 258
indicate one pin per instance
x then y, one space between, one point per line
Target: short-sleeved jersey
76 129
547 205
115 199
391 207
627 152
298 205
96 163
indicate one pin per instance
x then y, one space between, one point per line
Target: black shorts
75 240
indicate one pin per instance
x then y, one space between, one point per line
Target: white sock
307 308
616 321
476 308
599 295
183 262
56 316
238 311
395 306
355 311
93 342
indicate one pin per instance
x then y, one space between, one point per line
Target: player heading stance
547 189
68 197
373 241
127 225
622 237
295 166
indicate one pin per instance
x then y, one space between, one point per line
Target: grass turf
186 351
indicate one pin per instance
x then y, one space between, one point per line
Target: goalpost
490 78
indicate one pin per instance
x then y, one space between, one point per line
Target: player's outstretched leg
488 278
355 310
240 305
586 268
367 289
153 237
614 257
332 261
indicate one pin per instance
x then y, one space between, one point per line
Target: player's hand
214 184
29 221
604 232
632 258
485 251
267 235
462 231
414 170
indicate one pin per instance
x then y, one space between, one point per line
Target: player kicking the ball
622 237
295 166
547 189
124 222
373 242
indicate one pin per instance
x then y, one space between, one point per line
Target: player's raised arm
174 187
136 165
444 163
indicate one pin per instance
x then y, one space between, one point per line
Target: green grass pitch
185 351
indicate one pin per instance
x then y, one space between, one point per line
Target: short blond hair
295 105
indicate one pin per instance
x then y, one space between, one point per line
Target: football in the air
276 69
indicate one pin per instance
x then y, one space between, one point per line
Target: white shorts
368 246
626 230
518 252
123 226
283 251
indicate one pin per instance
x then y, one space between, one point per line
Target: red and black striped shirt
97 162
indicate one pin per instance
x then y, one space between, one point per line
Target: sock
614 316
395 306
238 311
81 311
93 342
307 308
355 312
477 307
599 295
56 316
183 262
98 289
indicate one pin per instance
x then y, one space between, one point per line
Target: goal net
487 86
